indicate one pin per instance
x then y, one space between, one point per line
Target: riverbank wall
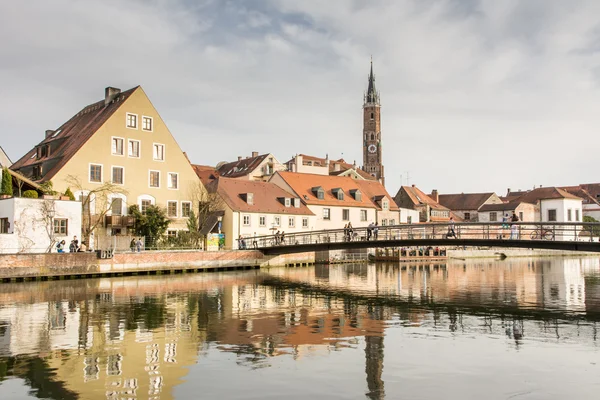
514 252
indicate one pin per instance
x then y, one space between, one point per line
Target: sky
476 96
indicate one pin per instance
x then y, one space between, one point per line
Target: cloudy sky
476 95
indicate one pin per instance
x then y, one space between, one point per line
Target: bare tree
47 212
95 204
209 202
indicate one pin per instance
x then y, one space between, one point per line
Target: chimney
109 94
508 192
49 132
254 154
435 196
239 158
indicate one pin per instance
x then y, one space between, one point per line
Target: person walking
138 245
132 245
451 231
514 228
370 230
350 231
346 233
375 231
282 237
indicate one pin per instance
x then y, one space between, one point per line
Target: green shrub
70 194
6 187
30 194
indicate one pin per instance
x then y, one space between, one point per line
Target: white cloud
477 95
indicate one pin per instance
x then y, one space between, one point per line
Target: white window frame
287 202
112 175
127 121
90 173
244 217
139 148
169 180
186 202
291 222
113 138
262 220
569 215
327 211
145 197
276 221
144 117
385 204
348 216
164 150
577 214
176 208
364 215
305 222
150 179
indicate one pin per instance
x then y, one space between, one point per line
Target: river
512 329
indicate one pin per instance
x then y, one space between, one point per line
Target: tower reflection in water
138 337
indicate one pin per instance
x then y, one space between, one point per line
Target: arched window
372 115
372 136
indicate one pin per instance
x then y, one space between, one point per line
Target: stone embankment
78 265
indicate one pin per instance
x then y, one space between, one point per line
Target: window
493 216
372 115
171 208
60 226
305 222
95 173
326 213
134 148
276 221
145 205
147 124
551 215
520 215
116 207
37 171
246 220
569 215
363 215
262 220
385 204
345 214
186 209
117 146
155 179
577 215
159 152
287 202
292 222
117 175
173 182
392 222
339 194
4 224
409 219
172 233
467 216
132 121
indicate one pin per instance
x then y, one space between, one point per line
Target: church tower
372 161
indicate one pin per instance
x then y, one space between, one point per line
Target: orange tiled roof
206 173
418 197
266 197
302 184
375 190
71 136
546 193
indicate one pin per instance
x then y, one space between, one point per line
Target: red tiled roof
72 135
464 201
418 197
343 166
206 173
376 192
303 184
582 193
243 167
265 195
546 193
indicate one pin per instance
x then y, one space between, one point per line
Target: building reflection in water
137 337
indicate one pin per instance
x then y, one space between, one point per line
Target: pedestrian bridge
570 236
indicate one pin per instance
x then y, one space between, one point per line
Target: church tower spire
372 156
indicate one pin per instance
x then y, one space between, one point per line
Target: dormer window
385 204
287 202
297 202
248 198
338 193
355 193
318 192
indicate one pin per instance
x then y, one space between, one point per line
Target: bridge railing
554 231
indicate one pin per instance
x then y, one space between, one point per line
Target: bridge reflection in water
574 236
151 337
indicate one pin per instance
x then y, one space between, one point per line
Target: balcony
119 220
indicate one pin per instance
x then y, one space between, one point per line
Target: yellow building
121 142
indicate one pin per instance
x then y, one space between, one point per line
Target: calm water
513 329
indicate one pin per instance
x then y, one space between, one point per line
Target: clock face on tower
372 148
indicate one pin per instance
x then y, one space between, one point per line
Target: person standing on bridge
514 228
370 230
451 232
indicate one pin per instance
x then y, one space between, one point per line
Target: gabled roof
302 184
206 173
242 167
419 198
582 193
545 193
265 195
592 188
376 192
72 135
504 207
464 201
4 159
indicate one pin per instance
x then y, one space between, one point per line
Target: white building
35 225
